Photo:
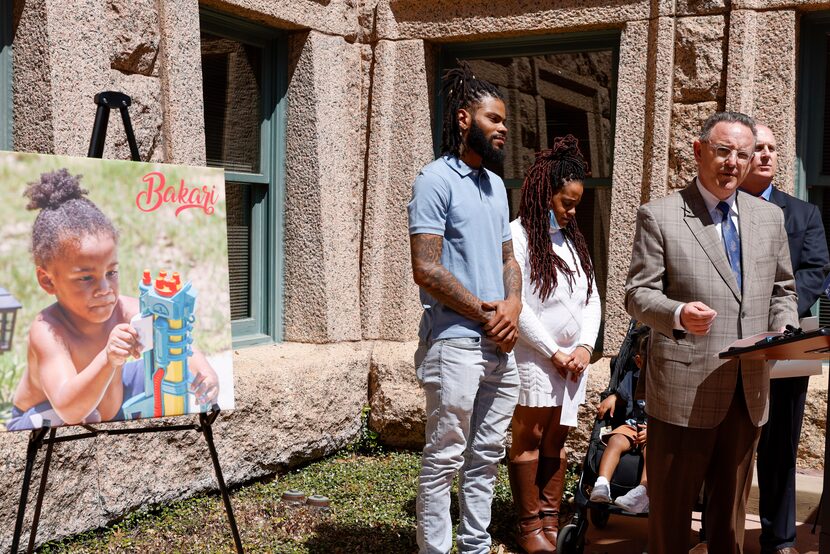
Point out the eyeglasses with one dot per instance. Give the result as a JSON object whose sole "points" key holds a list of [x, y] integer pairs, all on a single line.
{"points": [[723, 153]]}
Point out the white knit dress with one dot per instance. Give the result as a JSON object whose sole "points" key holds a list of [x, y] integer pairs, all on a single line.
{"points": [[562, 322]]}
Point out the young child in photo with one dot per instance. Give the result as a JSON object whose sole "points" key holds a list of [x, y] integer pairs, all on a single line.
{"points": [[79, 346], [627, 437]]}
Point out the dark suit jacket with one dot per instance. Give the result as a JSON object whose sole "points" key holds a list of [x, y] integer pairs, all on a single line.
{"points": [[808, 247]]}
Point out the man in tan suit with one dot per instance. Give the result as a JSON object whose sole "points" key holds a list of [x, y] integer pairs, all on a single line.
{"points": [[710, 265]]}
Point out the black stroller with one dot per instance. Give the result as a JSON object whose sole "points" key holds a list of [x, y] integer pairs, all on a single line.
{"points": [[571, 538]]}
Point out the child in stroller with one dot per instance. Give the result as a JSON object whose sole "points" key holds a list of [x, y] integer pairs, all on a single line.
{"points": [[630, 436]]}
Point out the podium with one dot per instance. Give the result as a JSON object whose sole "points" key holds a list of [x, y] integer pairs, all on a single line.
{"points": [[792, 345], [798, 345]]}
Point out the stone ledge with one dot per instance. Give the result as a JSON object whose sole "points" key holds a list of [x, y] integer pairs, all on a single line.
{"points": [[397, 405], [295, 403]]}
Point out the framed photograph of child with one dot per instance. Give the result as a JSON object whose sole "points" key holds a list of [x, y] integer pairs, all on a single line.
{"points": [[121, 271]]}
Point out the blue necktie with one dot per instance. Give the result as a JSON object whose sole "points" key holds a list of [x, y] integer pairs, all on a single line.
{"points": [[731, 241]]}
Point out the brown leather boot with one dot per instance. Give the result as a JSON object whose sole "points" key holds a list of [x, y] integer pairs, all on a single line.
{"points": [[551, 483], [526, 500]]}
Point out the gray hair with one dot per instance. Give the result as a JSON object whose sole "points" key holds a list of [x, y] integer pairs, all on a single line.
{"points": [[726, 117]]}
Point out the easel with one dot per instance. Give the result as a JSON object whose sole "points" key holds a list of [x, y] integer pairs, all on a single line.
{"points": [[38, 438]]}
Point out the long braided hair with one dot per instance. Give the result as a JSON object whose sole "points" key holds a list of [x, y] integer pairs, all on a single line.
{"points": [[548, 174], [461, 89]]}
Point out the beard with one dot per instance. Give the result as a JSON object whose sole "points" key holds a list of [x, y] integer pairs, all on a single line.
{"points": [[478, 142]]}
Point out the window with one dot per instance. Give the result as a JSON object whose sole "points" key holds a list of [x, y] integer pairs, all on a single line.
{"points": [[243, 83], [813, 145], [554, 86], [6, 75]]}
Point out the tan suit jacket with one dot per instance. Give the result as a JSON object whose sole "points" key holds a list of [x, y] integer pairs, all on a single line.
{"points": [[679, 257]]}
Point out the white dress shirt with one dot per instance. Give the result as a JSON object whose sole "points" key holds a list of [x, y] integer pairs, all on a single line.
{"points": [[711, 201]]}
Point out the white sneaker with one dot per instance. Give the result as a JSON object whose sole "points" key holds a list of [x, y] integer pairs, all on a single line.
{"points": [[635, 501], [601, 493]]}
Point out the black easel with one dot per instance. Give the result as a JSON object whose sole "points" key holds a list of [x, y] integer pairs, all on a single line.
{"points": [[105, 101]]}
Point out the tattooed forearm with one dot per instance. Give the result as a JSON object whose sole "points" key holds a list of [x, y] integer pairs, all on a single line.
{"points": [[436, 279], [511, 274]]}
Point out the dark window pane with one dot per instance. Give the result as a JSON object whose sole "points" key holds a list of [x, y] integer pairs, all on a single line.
{"points": [[825, 155], [239, 205], [231, 84], [549, 96]]}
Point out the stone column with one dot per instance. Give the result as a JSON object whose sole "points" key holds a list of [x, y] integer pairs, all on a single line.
{"points": [[643, 102], [762, 79], [32, 81], [400, 143], [180, 68], [76, 73], [323, 197]]}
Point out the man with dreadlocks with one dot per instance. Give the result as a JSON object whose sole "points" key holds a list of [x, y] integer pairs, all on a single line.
{"points": [[558, 327], [462, 260]]}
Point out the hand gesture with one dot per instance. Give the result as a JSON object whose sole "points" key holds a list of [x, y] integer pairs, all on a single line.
{"points": [[562, 362], [607, 405], [502, 326], [122, 343], [697, 318], [205, 385], [640, 439]]}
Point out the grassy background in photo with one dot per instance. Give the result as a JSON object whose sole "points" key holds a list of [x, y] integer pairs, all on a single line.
{"points": [[193, 244]]}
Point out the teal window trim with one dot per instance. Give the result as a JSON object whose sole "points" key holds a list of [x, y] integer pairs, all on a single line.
{"points": [[267, 225], [530, 46], [6, 76], [810, 104]]}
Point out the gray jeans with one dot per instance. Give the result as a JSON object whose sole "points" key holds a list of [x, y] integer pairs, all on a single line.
{"points": [[471, 390]]}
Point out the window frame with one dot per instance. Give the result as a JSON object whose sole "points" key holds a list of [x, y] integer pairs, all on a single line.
{"points": [[265, 325], [815, 28], [6, 76], [563, 43]]}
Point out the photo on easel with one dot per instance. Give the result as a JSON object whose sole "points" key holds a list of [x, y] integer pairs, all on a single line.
{"points": [[114, 294]]}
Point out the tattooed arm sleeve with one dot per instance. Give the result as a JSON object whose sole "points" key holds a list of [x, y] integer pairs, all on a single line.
{"points": [[510, 273], [436, 279]]}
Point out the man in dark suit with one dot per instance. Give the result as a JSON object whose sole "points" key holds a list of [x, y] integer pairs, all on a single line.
{"points": [[778, 446], [710, 264]]}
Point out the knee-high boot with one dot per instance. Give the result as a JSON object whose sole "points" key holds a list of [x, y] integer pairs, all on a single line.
{"points": [[526, 500], [551, 483]]}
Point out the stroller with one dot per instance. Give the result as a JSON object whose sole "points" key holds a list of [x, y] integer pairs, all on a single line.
{"points": [[571, 538]]}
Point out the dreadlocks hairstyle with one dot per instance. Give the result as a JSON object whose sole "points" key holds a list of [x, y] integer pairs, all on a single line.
{"points": [[461, 89], [66, 215], [548, 174]]}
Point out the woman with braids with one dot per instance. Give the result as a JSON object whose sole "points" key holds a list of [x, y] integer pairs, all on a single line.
{"points": [[470, 286], [558, 327], [79, 347]]}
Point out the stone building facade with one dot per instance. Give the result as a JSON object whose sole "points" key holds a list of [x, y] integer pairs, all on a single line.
{"points": [[355, 119]]}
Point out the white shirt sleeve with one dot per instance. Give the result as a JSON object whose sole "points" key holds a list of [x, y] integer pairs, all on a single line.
{"points": [[531, 330], [677, 325], [591, 319]]}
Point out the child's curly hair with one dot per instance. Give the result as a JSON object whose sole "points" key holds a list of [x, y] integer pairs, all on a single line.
{"points": [[66, 215]]}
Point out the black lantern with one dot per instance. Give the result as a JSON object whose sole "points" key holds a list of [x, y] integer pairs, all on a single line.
{"points": [[8, 316]]}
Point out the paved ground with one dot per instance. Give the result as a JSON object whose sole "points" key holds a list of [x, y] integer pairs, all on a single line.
{"points": [[627, 535]]}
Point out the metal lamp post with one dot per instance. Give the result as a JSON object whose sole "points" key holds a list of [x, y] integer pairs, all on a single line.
{"points": [[8, 317]]}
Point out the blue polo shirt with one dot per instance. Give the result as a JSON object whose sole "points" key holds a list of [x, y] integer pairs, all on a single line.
{"points": [[468, 207]]}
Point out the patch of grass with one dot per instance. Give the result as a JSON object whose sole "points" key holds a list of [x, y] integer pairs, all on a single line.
{"points": [[372, 502]]}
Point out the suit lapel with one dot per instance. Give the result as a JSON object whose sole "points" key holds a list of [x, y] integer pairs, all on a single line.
{"points": [[747, 223], [703, 229]]}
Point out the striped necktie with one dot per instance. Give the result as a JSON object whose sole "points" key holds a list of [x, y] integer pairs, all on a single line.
{"points": [[731, 241]]}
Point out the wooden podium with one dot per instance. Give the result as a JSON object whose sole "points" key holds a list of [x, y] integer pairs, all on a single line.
{"points": [[792, 345]]}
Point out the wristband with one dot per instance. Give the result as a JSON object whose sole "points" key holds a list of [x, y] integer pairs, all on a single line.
{"points": [[588, 348]]}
